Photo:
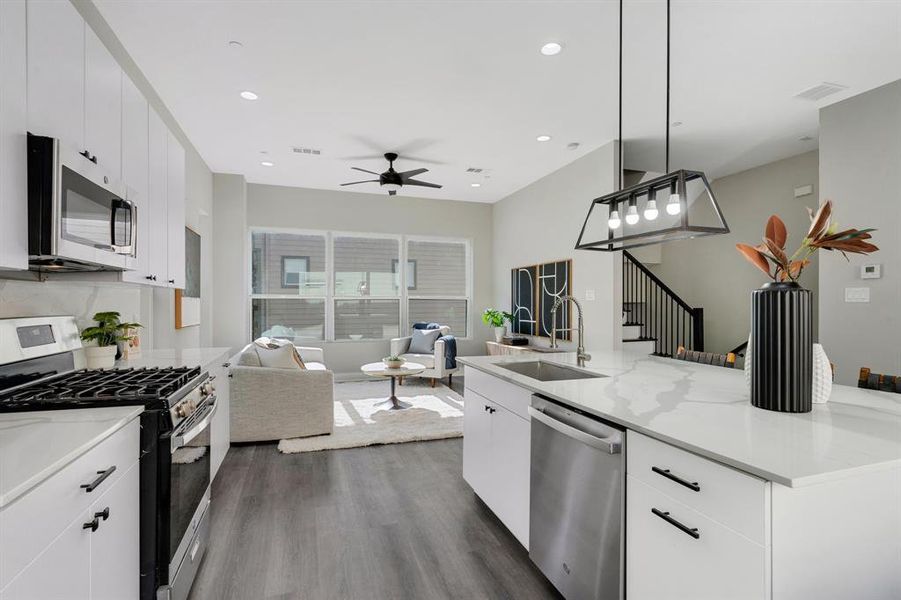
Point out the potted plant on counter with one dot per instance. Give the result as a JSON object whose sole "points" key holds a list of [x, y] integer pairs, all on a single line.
{"points": [[780, 348], [496, 318], [106, 336]]}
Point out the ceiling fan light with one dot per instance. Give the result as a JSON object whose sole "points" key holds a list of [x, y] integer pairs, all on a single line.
{"points": [[650, 210], [393, 186], [632, 215], [614, 221], [674, 206]]}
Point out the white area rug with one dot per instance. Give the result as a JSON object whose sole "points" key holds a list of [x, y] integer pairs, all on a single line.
{"points": [[437, 413]]}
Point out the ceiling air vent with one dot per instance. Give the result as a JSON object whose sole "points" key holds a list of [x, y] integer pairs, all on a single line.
{"points": [[818, 92], [312, 151], [474, 170]]}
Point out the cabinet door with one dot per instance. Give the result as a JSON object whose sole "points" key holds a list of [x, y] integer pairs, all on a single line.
{"points": [[103, 105], [115, 547], [477, 459], [61, 572], [135, 169], [176, 216], [159, 226], [664, 562], [13, 117], [220, 434], [56, 71], [510, 454]]}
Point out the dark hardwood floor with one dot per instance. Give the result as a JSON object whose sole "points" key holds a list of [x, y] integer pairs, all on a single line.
{"points": [[384, 522]]}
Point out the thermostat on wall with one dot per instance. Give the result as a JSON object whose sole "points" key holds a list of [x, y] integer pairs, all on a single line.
{"points": [[870, 271]]}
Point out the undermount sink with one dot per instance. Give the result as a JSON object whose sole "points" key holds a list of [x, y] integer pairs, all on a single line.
{"points": [[545, 371]]}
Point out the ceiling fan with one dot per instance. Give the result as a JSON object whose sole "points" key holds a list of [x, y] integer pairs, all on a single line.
{"points": [[393, 180]]}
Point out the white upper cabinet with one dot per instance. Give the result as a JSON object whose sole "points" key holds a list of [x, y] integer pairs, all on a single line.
{"points": [[176, 212], [102, 105], [159, 222], [135, 170], [56, 73], [13, 117]]}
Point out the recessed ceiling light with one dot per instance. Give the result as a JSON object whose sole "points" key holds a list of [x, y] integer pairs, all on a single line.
{"points": [[677, 123], [551, 48], [235, 44], [543, 138], [475, 185], [248, 95], [805, 138], [572, 146], [266, 163]]}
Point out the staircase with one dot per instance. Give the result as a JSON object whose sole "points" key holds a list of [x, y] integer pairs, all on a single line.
{"points": [[655, 319]]}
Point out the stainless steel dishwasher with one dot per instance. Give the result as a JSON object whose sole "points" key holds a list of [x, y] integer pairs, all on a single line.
{"points": [[576, 521]]}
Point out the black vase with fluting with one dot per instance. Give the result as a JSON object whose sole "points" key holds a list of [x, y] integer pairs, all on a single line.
{"points": [[782, 348]]}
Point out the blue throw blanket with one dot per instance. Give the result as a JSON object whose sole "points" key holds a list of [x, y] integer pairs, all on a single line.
{"points": [[450, 344]]}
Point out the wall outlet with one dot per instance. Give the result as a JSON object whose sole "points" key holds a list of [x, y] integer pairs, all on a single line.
{"points": [[589, 295], [804, 190], [860, 294], [870, 271]]}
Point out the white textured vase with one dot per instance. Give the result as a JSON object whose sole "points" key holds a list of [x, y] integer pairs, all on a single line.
{"points": [[100, 357], [499, 333], [822, 375]]}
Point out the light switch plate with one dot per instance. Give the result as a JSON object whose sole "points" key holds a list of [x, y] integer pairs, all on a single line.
{"points": [[804, 190], [860, 294], [589, 295]]}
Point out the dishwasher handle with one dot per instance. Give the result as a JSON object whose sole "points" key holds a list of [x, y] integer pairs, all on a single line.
{"points": [[612, 444]]}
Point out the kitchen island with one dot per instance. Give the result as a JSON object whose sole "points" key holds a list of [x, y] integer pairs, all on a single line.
{"points": [[788, 505]]}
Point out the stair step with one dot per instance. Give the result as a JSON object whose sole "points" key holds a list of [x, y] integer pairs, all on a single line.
{"points": [[640, 345], [631, 331]]}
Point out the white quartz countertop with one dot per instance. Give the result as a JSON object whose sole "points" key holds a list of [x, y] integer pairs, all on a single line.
{"points": [[36, 445], [707, 410], [189, 357]]}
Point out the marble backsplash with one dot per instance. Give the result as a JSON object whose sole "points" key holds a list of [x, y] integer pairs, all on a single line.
{"points": [[32, 299]]}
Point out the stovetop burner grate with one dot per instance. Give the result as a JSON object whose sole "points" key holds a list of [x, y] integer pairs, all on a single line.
{"points": [[149, 386]]}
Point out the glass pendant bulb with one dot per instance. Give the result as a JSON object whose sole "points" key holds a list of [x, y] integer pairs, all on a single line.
{"points": [[650, 209], [632, 215], [613, 222], [674, 206]]}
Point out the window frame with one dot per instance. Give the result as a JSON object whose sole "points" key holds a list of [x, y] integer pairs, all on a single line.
{"points": [[329, 297]]}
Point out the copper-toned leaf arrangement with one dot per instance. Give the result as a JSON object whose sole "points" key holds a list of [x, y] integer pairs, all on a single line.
{"points": [[771, 257]]}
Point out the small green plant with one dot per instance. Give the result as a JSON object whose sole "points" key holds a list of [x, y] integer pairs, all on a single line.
{"points": [[109, 329], [393, 358], [496, 318]]}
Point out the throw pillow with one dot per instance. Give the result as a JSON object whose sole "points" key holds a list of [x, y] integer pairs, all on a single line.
{"points": [[278, 354], [423, 341]]}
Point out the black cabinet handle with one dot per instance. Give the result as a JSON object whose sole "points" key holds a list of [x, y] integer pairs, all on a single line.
{"points": [[692, 531], [104, 514], [692, 485], [88, 156], [226, 365], [93, 525], [490, 410], [102, 475], [172, 281]]}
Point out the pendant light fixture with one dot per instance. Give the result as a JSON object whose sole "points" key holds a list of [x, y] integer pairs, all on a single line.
{"points": [[691, 208]]}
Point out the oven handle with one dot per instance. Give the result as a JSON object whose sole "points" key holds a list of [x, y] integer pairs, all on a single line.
{"points": [[183, 438]]}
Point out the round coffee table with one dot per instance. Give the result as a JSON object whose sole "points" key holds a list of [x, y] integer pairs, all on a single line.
{"points": [[380, 370]]}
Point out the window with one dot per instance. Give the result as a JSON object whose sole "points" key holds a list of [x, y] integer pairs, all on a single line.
{"points": [[347, 286]]}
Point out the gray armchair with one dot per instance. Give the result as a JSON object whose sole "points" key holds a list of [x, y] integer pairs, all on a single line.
{"points": [[434, 363], [274, 404]]}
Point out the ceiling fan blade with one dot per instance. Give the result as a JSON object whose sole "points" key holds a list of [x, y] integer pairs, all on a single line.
{"points": [[364, 181], [421, 183], [365, 171], [406, 175]]}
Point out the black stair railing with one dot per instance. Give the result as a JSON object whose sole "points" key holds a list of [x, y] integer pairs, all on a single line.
{"points": [[663, 316]]}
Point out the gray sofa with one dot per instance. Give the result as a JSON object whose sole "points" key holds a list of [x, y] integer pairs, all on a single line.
{"points": [[274, 404]]}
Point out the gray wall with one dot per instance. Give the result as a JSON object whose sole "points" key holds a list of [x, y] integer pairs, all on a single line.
{"points": [[230, 311], [860, 170], [709, 273], [541, 222], [300, 208]]}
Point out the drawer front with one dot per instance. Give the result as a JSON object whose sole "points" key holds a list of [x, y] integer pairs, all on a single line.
{"points": [[664, 562], [29, 524], [735, 499], [510, 396]]}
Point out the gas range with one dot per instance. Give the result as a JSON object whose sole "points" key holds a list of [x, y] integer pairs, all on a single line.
{"points": [[41, 369]]}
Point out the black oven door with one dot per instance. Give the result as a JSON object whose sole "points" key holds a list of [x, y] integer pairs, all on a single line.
{"points": [[189, 481]]}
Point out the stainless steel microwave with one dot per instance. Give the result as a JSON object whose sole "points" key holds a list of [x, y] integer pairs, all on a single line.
{"points": [[78, 217]]}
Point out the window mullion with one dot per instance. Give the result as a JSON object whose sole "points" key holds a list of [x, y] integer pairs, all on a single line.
{"points": [[330, 287]]}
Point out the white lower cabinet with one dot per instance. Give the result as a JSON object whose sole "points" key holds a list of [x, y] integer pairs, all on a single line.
{"points": [[664, 561], [60, 543], [220, 431], [496, 460]]}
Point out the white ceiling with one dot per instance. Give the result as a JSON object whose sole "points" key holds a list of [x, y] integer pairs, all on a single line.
{"points": [[458, 84]]}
